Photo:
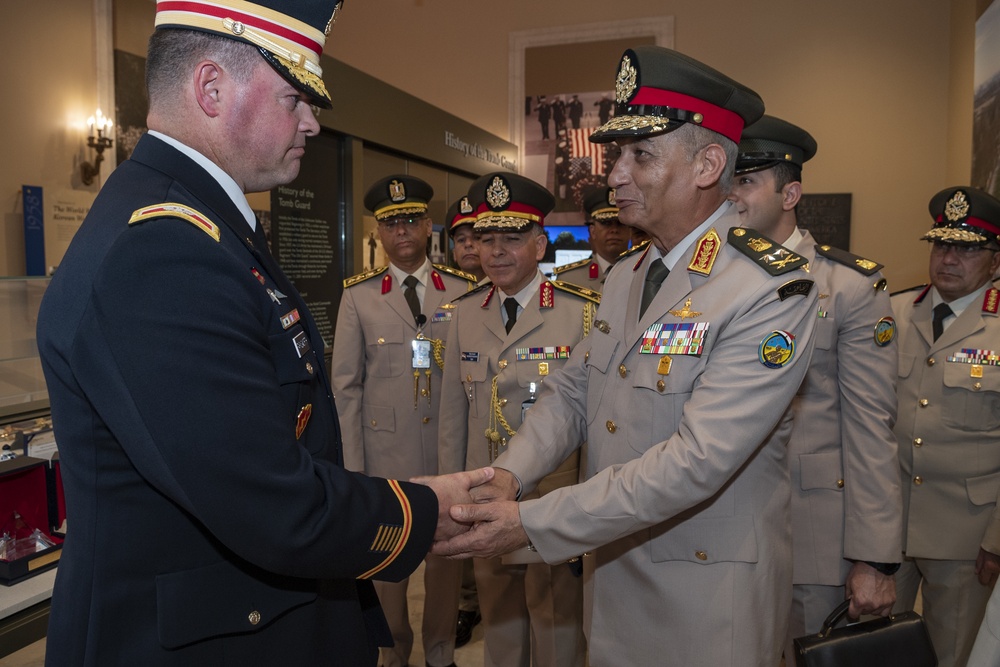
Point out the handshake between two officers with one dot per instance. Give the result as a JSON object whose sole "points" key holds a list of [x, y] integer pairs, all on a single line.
{"points": [[477, 513]]}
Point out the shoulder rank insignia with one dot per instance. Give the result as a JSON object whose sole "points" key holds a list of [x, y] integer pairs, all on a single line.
{"points": [[638, 247], [576, 290], [181, 211], [705, 252], [475, 290], [361, 277], [571, 266], [865, 266], [456, 272], [769, 255]]}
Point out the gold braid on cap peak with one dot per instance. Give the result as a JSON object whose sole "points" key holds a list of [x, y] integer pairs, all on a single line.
{"points": [[625, 122], [292, 59], [506, 220], [953, 235]]}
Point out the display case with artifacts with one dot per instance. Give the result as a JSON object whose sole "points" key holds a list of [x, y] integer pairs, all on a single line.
{"points": [[28, 545]]}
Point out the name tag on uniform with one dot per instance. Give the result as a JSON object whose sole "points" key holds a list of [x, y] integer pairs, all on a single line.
{"points": [[470, 356], [302, 345], [675, 338]]}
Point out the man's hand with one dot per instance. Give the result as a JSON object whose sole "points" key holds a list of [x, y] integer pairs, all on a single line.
{"points": [[496, 530], [870, 591], [452, 490], [987, 567], [503, 487]]}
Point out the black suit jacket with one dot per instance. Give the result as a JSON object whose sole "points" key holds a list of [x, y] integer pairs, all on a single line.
{"points": [[204, 527]]}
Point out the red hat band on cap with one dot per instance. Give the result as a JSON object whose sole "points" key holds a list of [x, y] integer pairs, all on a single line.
{"points": [[516, 212], [974, 222], [727, 123]]}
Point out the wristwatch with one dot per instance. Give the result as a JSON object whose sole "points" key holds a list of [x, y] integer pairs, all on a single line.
{"points": [[887, 569]]}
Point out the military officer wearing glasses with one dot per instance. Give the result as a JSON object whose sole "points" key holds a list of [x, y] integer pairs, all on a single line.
{"points": [[506, 339], [846, 504], [948, 426], [681, 392], [609, 238], [387, 361]]}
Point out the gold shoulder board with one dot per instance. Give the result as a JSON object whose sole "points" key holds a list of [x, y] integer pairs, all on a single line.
{"points": [[576, 290], [769, 255], [860, 264], [573, 265], [638, 247], [455, 272], [181, 211], [361, 277], [475, 290]]}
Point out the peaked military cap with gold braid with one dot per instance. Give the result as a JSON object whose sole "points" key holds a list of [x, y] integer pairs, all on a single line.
{"points": [[398, 195], [964, 216], [290, 34], [460, 213], [657, 90], [771, 140], [507, 202], [600, 205]]}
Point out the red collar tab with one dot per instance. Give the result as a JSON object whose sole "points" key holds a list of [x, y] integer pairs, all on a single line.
{"points": [[638, 262], [489, 295], [595, 270], [920, 297], [386, 283], [991, 302], [725, 122], [546, 295], [438, 282]]}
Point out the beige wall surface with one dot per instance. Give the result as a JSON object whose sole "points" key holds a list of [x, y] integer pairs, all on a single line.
{"points": [[885, 87]]}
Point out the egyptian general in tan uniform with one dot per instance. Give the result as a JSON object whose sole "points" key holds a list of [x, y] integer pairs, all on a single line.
{"points": [[506, 338], [949, 423], [387, 363], [846, 504]]}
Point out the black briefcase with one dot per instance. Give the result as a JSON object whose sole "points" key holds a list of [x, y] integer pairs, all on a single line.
{"points": [[901, 640]]}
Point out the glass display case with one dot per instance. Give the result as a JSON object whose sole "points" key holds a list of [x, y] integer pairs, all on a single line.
{"points": [[22, 386]]}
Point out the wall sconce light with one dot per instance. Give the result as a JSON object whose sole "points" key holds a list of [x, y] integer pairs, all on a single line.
{"points": [[98, 125]]}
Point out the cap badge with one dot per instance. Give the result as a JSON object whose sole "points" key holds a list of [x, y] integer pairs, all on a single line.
{"points": [[464, 207], [611, 197], [498, 194], [625, 83], [397, 191], [957, 207]]}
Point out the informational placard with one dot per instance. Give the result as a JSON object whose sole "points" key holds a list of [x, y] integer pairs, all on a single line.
{"points": [[306, 228], [828, 218], [34, 230], [64, 213]]}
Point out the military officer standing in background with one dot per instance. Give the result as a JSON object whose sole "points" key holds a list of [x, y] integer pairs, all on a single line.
{"points": [[608, 237], [949, 423], [387, 363], [681, 392], [506, 338], [846, 504], [460, 219]]}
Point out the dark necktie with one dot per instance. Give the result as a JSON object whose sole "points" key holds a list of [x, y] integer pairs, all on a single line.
{"points": [[510, 305], [410, 294], [941, 311], [654, 278]]}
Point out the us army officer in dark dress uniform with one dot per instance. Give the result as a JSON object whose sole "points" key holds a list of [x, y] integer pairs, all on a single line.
{"points": [[212, 520]]}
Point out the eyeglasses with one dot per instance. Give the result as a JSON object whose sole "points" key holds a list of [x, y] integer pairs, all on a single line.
{"points": [[942, 248], [408, 223]]}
